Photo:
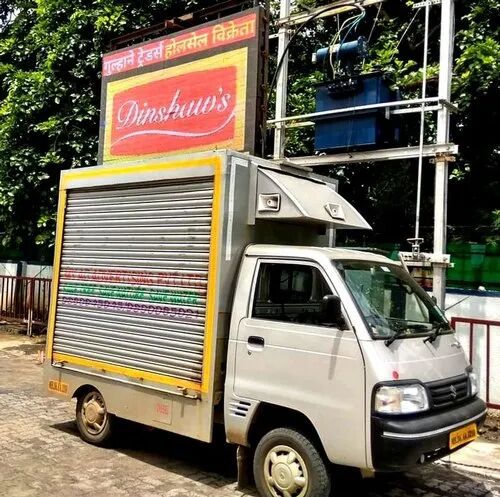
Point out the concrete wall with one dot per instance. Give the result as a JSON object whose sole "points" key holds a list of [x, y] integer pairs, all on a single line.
{"points": [[8, 268], [38, 271], [479, 305]]}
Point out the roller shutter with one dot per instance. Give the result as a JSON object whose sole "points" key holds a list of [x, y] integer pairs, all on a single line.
{"points": [[133, 277]]}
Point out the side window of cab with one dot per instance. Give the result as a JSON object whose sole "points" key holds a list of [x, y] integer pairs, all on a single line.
{"points": [[290, 292]]}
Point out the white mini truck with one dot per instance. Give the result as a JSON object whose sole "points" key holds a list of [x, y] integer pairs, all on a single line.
{"points": [[197, 290]]}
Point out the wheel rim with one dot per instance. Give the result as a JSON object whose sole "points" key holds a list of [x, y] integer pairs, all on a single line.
{"points": [[94, 413], [285, 472]]}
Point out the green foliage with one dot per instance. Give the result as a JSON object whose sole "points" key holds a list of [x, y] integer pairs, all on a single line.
{"points": [[50, 52], [388, 191], [476, 89], [494, 238], [301, 101]]}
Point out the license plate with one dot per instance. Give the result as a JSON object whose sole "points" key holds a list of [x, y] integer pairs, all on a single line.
{"points": [[463, 436], [58, 386]]}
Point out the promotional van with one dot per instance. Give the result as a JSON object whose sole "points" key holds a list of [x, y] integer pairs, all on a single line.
{"points": [[201, 290]]}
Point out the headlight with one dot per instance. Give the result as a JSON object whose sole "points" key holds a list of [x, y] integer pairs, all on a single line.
{"points": [[474, 385], [401, 399]]}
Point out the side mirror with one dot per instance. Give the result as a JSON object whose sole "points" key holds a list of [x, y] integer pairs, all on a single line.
{"points": [[434, 299], [331, 311]]}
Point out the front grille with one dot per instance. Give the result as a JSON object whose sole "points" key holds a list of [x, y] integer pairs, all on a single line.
{"points": [[444, 393]]}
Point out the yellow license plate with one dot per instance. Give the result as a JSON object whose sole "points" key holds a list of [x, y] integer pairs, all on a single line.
{"points": [[463, 436], [58, 386]]}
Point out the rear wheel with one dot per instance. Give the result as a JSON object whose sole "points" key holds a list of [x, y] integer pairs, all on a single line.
{"points": [[93, 420], [287, 464]]}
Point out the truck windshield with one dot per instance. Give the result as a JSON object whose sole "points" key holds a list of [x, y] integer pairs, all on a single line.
{"points": [[390, 300]]}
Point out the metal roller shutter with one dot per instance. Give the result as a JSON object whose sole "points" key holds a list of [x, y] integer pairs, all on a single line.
{"points": [[133, 277]]}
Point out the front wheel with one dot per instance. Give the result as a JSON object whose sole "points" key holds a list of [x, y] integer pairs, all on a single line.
{"points": [[287, 464], [92, 418]]}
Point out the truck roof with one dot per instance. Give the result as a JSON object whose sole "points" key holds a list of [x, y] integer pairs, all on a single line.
{"points": [[312, 252]]}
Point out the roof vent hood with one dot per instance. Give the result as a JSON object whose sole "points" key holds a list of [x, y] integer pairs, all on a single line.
{"points": [[286, 197]]}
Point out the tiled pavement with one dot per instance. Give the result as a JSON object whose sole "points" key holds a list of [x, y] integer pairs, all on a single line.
{"points": [[41, 456]]}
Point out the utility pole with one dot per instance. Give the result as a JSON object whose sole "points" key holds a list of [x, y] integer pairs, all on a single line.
{"points": [[442, 150], [281, 82], [442, 136]]}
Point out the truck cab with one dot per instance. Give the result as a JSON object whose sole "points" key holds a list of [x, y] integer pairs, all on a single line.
{"points": [[342, 353]]}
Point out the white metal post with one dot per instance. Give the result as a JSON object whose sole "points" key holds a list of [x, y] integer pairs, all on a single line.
{"points": [[442, 136], [281, 82], [422, 130]]}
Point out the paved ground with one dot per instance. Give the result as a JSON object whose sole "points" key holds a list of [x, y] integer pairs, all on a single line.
{"points": [[41, 454]]}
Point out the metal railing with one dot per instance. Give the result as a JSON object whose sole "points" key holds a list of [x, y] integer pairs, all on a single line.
{"points": [[479, 351], [25, 300]]}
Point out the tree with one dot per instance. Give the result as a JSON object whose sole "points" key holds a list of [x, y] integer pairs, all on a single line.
{"points": [[50, 52], [387, 191], [476, 89]]}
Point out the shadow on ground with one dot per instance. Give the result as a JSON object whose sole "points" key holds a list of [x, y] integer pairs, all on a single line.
{"points": [[174, 453], [190, 458]]}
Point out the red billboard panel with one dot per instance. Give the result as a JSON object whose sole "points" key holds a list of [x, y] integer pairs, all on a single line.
{"points": [[195, 90]]}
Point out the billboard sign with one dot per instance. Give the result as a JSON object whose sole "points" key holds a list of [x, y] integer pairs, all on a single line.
{"points": [[199, 89]]}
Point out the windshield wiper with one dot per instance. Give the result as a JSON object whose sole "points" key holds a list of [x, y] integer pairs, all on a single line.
{"points": [[436, 331], [401, 329], [397, 333]]}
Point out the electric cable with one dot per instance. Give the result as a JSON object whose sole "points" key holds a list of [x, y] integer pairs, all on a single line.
{"points": [[354, 25], [404, 34], [336, 37], [372, 30], [297, 31], [374, 22], [354, 19], [287, 47]]}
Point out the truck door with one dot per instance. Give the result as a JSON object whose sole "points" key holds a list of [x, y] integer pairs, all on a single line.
{"points": [[286, 356]]}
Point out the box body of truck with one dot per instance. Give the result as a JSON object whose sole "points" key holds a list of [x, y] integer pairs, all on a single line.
{"points": [[146, 260]]}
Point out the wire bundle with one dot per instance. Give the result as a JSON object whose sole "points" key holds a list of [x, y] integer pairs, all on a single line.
{"points": [[349, 24]]}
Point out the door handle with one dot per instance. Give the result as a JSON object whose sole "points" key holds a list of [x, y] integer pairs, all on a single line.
{"points": [[254, 340]]}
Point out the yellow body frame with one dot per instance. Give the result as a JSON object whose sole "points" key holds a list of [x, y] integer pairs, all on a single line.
{"points": [[120, 173]]}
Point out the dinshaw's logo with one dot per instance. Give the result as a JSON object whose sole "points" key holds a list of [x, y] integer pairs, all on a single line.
{"points": [[185, 111]]}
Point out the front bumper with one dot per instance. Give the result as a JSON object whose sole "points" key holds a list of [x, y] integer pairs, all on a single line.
{"points": [[399, 443]]}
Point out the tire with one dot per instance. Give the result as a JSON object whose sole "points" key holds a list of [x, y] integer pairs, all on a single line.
{"points": [[95, 424], [287, 464]]}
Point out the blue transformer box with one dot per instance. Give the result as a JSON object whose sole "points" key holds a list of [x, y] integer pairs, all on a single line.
{"points": [[355, 131]]}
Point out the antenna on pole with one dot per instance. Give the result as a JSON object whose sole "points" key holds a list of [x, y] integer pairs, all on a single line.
{"points": [[417, 240]]}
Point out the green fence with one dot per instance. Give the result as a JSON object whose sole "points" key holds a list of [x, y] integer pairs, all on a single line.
{"points": [[475, 264]]}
